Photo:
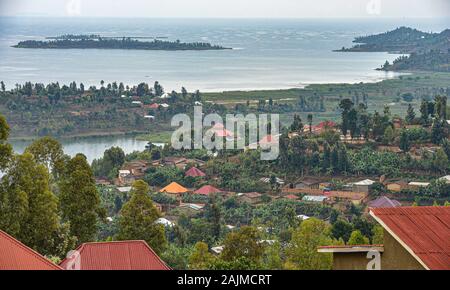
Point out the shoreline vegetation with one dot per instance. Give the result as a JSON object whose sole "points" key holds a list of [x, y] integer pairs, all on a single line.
{"points": [[100, 42], [73, 111], [423, 51]]}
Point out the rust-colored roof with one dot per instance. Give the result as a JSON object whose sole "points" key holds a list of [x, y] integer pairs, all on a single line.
{"points": [[291, 196], [423, 231], [121, 255], [195, 172], [207, 190], [16, 256], [174, 188]]}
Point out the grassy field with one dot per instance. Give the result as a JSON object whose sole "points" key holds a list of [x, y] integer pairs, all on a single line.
{"points": [[380, 94], [157, 137]]}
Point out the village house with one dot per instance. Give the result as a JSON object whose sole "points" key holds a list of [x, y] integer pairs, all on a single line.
{"points": [[363, 185], [396, 185], [415, 238], [417, 185], [208, 190], [250, 197], [307, 183], [125, 177], [446, 179], [315, 198], [174, 190], [195, 172], [384, 202], [120, 255], [356, 198], [137, 167]]}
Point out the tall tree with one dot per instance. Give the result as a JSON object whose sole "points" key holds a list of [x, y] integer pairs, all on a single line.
{"points": [[310, 122], [302, 254], [357, 238], [201, 258], [49, 152], [28, 209], [5, 149], [138, 217], [243, 244], [410, 115], [80, 201]]}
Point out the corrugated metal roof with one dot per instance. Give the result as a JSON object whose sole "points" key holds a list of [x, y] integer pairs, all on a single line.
{"points": [[423, 230], [207, 190], [122, 255], [16, 256]]}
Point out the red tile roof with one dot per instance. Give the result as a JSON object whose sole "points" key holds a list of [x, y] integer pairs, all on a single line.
{"points": [[207, 190], [291, 196], [195, 172], [122, 255], [423, 231], [16, 256]]}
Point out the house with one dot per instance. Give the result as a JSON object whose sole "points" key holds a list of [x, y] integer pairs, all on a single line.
{"points": [[193, 206], [165, 222], [319, 128], [315, 198], [164, 105], [415, 238], [278, 181], [125, 177], [153, 106], [446, 179], [136, 103], [307, 183], [195, 172], [217, 250], [124, 189], [417, 185], [291, 197], [363, 185], [121, 255], [180, 162], [303, 217], [136, 168], [208, 190], [174, 188], [251, 197], [356, 198], [16, 256], [149, 117], [397, 185], [384, 202]]}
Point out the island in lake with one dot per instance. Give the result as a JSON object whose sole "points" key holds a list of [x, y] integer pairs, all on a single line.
{"points": [[427, 51], [99, 42]]}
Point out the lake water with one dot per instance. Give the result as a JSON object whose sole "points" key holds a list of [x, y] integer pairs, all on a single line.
{"points": [[267, 54], [92, 147]]}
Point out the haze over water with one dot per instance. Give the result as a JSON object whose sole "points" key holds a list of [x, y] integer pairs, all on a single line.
{"points": [[267, 53]]}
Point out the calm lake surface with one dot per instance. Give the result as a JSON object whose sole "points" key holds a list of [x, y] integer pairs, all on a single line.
{"points": [[92, 147], [267, 54]]}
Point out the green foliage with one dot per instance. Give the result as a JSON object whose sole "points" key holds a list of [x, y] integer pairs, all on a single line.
{"points": [[201, 258], [79, 199], [28, 208], [356, 238], [302, 254], [109, 165], [137, 219], [341, 230], [377, 235], [49, 152], [243, 243], [176, 257]]}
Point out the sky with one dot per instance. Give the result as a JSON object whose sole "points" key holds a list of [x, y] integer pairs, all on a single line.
{"points": [[228, 8]]}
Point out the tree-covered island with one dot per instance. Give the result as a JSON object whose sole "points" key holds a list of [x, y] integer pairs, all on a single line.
{"points": [[99, 42]]}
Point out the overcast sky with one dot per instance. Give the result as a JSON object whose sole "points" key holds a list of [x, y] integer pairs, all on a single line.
{"points": [[228, 8]]}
